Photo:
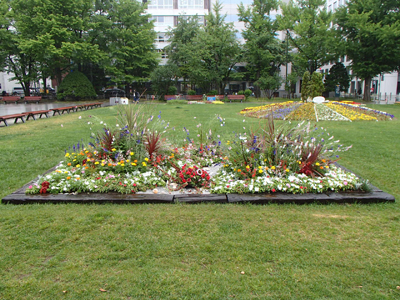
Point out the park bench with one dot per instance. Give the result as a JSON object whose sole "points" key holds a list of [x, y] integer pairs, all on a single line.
{"points": [[235, 97], [14, 116], [14, 99], [30, 99], [92, 105], [61, 110], [37, 112], [194, 97]]}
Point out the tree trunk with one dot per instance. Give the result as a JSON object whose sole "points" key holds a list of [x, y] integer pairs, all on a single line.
{"points": [[367, 87]]}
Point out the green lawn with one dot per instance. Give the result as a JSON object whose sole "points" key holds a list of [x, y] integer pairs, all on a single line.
{"points": [[197, 251]]}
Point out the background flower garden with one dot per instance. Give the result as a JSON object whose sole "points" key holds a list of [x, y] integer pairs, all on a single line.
{"points": [[330, 111], [136, 155]]}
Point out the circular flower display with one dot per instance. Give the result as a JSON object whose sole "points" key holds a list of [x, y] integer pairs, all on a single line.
{"points": [[330, 111]]}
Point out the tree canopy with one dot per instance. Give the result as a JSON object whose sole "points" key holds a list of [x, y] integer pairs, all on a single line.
{"points": [[370, 31], [264, 52], [307, 23]]}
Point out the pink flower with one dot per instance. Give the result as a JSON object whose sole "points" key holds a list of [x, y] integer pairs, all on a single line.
{"points": [[30, 186]]}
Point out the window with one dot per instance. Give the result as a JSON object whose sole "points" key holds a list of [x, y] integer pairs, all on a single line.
{"points": [[163, 4], [191, 4], [334, 5], [161, 37], [162, 53], [163, 20], [199, 18]]}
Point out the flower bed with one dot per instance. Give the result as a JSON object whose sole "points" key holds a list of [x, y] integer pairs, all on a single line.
{"points": [[331, 111], [137, 158]]}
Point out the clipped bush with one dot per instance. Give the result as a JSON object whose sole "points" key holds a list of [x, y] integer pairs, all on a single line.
{"points": [[191, 92], [76, 86], [247, 93], [241, 92], [176, 102], [212, 93], [172, 90]]}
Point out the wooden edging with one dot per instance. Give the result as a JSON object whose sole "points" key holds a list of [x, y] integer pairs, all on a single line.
{"points": [[375, 196]]}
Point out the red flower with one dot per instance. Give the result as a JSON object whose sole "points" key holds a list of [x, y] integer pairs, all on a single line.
{"points": [[134, 184], [273, 190]]}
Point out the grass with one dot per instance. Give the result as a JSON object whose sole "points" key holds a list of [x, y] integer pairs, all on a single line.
{"points": [[200, 251]]}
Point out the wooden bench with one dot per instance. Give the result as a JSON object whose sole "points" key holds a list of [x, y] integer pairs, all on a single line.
{"points": [[14, 116], [236, 97], [61, 110], [92, 105], [32, 99], [14, 99], [194, 97], [38, 112]]}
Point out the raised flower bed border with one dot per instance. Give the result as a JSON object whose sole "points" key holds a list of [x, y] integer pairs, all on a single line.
{"points": [[375, 196]]}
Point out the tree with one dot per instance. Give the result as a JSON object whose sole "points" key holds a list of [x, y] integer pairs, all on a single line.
{"points": [[337, 76], [60, 33], [162, 78], [182, 48], [219, 49], [307, 22], [270, 84], [130, 43], [371, 35], [306, 87], [264, 53], [317, 86]]}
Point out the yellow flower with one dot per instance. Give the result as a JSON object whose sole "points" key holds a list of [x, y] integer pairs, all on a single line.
{"points": [[102, 164], [144, 164], [133, 164], [273, 167], [259, 167], [317, 164], [67, 154], [113, 149], [96, 163], [260, 171], [127, 160], [287, 170], [66, 172], [146, 159], [247, 167], [122, 165], [78, 165], [132, 153]]}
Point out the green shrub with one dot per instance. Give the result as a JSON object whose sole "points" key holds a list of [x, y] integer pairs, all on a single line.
{"points": [[172, 90], [177, 102], [241, 92], [191, 92], [247, 93], [76, 86], [212, 93]]}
